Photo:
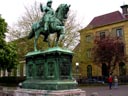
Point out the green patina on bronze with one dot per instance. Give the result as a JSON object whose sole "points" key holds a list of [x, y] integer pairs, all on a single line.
{"points": [[51, 22], [50, 69]]}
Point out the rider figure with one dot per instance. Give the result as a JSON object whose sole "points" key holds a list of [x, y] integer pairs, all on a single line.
{"points": [[49, 13]]}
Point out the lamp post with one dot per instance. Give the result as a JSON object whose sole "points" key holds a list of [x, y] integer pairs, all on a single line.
{"points": [[77, 67], [77, 70]]}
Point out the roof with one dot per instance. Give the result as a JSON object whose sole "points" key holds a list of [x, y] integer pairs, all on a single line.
{"points": [[106, 19], [77, 47]]}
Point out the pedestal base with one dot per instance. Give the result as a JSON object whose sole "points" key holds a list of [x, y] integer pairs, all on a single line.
{"points": [[49, 84], [31, 92], [50, 69]]}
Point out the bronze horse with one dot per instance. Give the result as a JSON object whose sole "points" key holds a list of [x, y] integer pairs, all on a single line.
{"points": [[56, 25]]}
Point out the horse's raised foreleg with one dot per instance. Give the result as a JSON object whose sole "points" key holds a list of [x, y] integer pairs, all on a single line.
{"points": [[60, 33]]}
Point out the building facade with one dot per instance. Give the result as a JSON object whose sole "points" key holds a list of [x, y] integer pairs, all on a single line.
{"points": [[115, 24]]}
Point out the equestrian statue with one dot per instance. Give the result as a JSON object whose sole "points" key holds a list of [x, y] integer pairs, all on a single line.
{"points": [[51, 22]]}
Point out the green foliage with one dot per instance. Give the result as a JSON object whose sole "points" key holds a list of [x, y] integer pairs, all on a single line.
{"points": [[8, 54], [3, 27], [11, 58], [24, 46]]}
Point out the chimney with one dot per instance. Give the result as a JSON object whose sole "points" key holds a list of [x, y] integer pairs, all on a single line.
{"points": [[125, 10]]}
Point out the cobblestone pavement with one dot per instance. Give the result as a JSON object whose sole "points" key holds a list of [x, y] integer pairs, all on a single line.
{"points": [[104, 91]]}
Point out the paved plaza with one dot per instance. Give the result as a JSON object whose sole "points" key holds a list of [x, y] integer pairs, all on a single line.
{"points": [[104, 90]]}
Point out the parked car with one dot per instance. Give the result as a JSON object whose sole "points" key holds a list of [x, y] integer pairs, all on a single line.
{"points": [[93, 81]]}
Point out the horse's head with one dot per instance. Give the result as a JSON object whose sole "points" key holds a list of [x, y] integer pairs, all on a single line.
{"points": [[61, 12]]}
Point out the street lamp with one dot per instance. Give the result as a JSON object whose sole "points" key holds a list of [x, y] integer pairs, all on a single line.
{"points": [[77, 67], [77, 70]]}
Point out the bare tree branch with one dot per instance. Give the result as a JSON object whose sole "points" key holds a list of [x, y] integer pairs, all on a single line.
{"points": [[33, 14]]}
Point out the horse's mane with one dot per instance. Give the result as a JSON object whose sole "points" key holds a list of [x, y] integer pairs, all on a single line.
{"points": [[60, 7]]}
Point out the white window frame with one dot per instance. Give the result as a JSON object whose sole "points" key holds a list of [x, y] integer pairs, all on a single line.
{"points": [[119, 32]]}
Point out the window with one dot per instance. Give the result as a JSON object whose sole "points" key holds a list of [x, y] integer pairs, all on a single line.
{"points": [[89, 53], [88, 38], [89, 71], [119, 32], [102, 35]]}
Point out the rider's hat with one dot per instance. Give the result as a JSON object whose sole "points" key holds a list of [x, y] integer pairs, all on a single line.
{"points": [[49, 1]]}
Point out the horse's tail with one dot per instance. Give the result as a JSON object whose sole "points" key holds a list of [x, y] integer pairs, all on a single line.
{"points": [[31, 34]]}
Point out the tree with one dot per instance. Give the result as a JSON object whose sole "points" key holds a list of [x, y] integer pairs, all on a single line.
{"points": [[10, 57], [108, 51], [8, 54], [33, 14]]}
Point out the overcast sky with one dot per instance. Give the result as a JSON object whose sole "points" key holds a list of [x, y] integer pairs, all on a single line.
{"points": [[85, 10]]}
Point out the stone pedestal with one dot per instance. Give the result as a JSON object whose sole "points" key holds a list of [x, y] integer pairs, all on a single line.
{"points": [[49, 70], [30, 92], [35, 92], [49, 73]]}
